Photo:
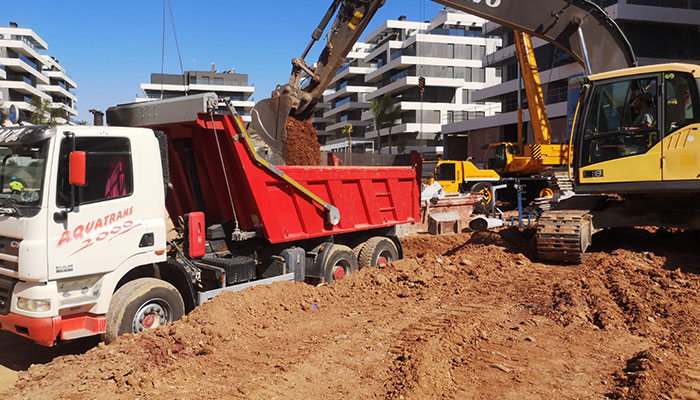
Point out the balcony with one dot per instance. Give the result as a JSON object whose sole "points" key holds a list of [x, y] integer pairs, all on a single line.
{"points": [[24, 88], [70, 110], [345, 108], [60, 75], [20, 66], [21, 48], [57, 89], [348, 90]]}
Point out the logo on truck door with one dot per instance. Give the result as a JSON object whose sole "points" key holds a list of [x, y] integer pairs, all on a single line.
{"points": [[111, 226]]}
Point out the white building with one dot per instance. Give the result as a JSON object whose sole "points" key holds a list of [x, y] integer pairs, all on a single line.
{"points": [[60, 86], [659, 31], [227, 84], [26, 74], [448, 51]]}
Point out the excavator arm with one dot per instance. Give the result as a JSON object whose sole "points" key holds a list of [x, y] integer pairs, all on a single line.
{"points": [[578, 27]]}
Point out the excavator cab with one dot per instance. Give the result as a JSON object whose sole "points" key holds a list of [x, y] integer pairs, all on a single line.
{"points": [[637, 133]]}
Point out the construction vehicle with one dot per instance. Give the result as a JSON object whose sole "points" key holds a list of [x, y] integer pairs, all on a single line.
{"points": [[83, 247], [628, 172], [577, 27], [532, 169]]}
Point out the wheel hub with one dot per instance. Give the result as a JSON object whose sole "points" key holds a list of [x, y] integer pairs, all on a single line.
{"points": [[338, 273], [151, 315]]}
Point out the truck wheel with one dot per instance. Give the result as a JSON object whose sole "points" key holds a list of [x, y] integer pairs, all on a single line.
{"points": [[486, 204], [340, 262], [358, 249], [378, 251], [142, 304]]}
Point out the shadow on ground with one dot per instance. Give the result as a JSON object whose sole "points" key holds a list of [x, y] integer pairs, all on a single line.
{"points": [[18, 353]]}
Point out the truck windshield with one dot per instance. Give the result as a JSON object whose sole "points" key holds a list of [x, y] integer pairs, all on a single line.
{"points": [[22, 173]]}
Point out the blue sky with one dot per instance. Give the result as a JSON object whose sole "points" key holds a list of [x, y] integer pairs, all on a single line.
{"points": [[110, 47]]}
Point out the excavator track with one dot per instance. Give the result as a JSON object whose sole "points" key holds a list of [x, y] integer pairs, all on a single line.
{"points": [[561, 182], [564, 234]]}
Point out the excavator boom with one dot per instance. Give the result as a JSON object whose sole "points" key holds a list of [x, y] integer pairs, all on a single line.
{"points": [[579, 27]]}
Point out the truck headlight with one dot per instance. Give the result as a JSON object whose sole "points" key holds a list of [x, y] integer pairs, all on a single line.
{"points": [[34, 305]]}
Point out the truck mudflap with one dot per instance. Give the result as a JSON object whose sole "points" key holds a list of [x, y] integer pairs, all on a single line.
{"points": [[45, 331]]}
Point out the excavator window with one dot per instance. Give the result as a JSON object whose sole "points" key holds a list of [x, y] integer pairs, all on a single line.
{"points": [[621, 121], [681, 101]]}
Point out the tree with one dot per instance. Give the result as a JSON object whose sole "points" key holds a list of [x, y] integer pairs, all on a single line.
{"points": [[44, 114], [348, 129], [385, 116]]}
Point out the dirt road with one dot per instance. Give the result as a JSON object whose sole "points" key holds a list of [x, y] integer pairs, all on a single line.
{"points": [[463, 317]]}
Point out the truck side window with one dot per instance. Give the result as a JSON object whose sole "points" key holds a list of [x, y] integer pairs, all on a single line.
{"points": [[681, 101], [446, 172], [109, 170]]}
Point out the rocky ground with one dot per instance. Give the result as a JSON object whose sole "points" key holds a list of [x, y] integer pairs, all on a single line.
{"points": [[461, 317]]}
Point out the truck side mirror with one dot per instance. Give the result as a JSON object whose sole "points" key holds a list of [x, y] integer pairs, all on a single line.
{"points": [[77, 168]]}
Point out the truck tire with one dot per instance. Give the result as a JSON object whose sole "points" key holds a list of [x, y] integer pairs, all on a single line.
{"points": [[341, 261], [378, 250], [141, 304], [486, 204]]}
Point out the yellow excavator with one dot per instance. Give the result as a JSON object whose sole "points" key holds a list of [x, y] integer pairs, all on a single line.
{"points": [[634, 158]]}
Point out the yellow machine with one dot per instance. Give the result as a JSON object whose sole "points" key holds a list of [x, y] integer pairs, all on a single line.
{"points": [[506, 160], [637, 158]]}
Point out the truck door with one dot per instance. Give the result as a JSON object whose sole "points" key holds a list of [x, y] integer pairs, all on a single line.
{"points": [[621, 132], [104, 229], [446, 174], [681, 144]]}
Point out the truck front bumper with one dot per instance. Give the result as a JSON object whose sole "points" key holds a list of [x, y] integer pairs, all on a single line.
{"points": [[46, 331]]}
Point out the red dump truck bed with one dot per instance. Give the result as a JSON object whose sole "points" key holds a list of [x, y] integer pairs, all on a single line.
{"points": [[211, 155]]}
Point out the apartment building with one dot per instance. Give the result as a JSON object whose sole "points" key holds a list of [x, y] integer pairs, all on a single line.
{"points": [[226, 84], [26, 73], [658, 30], [60, 87], [346, 100], [447, 51]]}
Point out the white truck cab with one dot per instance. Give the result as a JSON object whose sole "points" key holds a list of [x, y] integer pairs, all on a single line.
{"points": [[65, 247]]}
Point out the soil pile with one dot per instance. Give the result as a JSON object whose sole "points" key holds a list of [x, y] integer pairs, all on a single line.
{"points": [[302, 143], [462, 317]]}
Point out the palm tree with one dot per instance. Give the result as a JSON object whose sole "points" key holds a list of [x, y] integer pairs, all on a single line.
{"points": [[348, 129], [385, 116]]}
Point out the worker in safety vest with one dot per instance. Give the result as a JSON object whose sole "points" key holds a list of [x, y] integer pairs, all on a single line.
{"points": [[15, 185]]}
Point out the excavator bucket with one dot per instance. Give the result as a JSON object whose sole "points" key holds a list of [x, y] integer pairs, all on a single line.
{"points": [[270, 122]]}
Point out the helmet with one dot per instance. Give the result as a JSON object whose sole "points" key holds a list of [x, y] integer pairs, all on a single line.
{"points": [[14, 178]]}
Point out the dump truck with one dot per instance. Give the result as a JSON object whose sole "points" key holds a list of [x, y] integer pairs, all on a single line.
{"points": [[84, 246]]}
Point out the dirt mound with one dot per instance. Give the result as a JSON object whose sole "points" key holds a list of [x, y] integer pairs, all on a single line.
{"points": [[462, 317], [302, 143]]}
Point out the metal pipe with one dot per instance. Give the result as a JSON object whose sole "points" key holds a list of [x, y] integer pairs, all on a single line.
{"points": [[481, 223], [321, 27], [584, 48]]}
